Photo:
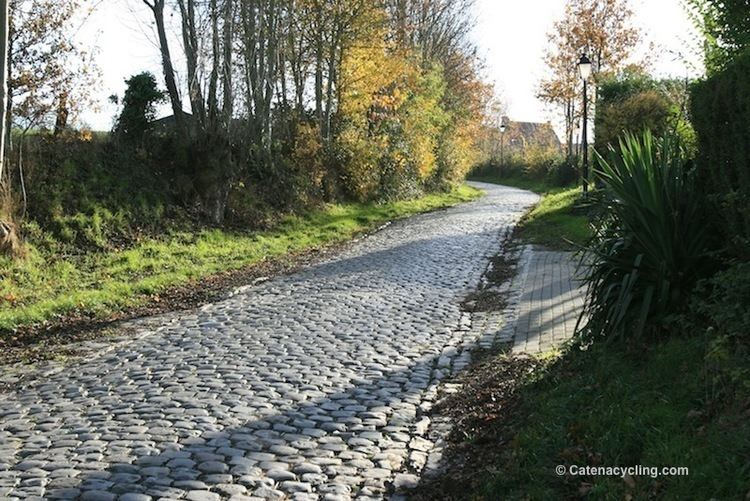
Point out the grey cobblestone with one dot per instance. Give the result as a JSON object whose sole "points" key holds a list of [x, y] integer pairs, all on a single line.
{"points": [[307, 386]]}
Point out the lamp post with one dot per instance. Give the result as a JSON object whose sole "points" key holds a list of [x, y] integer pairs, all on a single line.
{"points": [[584, 68], [502, 146]]}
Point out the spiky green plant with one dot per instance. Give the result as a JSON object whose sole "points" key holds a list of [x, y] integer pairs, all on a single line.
{"points": [[650, 246]]}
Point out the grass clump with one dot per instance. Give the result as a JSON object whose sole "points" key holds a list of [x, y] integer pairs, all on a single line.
{"points": [[48, 284], [559, 221]]}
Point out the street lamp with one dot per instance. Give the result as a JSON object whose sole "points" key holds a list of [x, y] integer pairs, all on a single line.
{"points": [[584, 68], [502, 146]]}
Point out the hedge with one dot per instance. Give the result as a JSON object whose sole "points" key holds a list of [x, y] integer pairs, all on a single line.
{"points": [[721, 117]]}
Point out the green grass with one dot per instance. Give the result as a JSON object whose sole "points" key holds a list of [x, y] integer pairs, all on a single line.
{"points": [[522, 182], [559, 221], [46, 285], [609, 406]]}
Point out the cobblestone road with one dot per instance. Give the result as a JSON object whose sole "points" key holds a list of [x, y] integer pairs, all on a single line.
{"points": [[309, 386]]}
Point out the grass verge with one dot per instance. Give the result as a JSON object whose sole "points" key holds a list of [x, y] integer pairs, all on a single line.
{"points": [[46, 286], [558, 221], [668, 404], [522, 182], [660, 406]]}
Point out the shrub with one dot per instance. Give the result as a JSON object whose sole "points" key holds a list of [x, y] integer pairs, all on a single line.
{"points": [[540, 162], [649, 247], [634, 102], [355, 157], [721, 115], [138, 107], [724, 300], [563, 173]]}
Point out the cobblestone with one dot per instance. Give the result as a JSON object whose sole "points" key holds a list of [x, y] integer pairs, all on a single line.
{"points": [[307, 386]]}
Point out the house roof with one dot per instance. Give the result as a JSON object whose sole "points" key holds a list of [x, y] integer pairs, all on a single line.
{"points": [[524, 134]]}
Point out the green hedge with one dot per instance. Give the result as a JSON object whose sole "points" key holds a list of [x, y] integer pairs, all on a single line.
{"points": [[721, 117]]}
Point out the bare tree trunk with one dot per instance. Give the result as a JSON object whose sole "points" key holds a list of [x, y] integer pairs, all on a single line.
{"points": [[9, 242], [157, 7], [61, 120], [249, 14], [271, 63], [299, 77], [190, 41], [228, 40], [9, 145], [569, 127], [329, 87], [213, 104], [319, 67], [401, 22]]}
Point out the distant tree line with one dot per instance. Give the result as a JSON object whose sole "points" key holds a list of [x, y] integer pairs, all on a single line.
{"points": [[322, 98], [276, 106]]}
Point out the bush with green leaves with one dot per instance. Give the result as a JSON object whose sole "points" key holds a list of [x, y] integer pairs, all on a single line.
{"points": [[564, 172], [540, 161], [724, 300], [633, 101], [721, 114], [649, 247], [725, 26], [138, 107]]}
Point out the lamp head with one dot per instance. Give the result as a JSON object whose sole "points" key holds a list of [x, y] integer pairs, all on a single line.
{"points": [[584, 67]]}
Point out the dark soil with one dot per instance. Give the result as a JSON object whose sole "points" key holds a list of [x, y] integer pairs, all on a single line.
{"points": [[485, 300], [501, 269], [483, 412]]}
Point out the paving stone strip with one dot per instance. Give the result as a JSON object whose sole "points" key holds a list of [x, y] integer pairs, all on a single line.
{"points": [[551, 302], [308, 386]]}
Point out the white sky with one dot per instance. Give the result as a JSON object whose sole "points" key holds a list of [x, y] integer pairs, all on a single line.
{"points": [[511, 35]]}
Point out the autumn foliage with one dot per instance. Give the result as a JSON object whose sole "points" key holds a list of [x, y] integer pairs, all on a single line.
{"points": [[277, 106]]}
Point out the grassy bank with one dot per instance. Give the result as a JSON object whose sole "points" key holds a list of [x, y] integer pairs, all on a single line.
{"points": [[680, 402], [611, 406], [522, 182], [560, 219], [45, 285]]}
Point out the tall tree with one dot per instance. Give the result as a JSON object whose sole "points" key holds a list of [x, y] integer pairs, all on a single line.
{"points": [[601, 29], [4, 29], [8, 239], [157, 9], [725, 25], [49, 75], [205, 24]]}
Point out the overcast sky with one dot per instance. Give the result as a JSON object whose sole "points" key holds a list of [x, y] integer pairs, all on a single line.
{"points": [[511, 35]]}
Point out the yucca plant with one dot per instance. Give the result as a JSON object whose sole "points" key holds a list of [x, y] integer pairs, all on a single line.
{"points": [[650, 245]]}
